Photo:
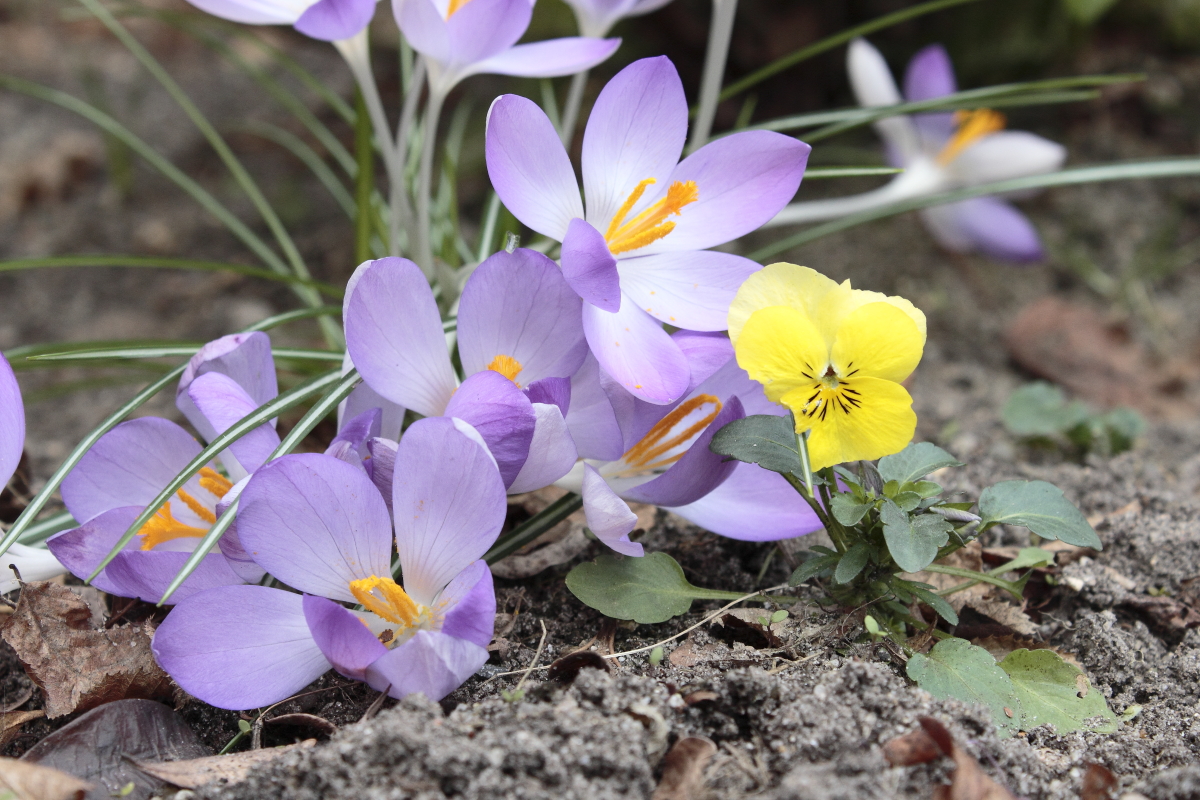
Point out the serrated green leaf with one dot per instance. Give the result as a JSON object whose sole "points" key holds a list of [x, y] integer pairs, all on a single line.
{"points": [[915, 462], [937, 603], [646, 590], [762, 439], [913, 543], [1039, 506], [847, 511], [957, 669], [810, 568], [1049, 690], [852, 563]]}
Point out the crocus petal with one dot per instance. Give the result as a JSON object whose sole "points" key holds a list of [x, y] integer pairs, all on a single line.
{"points": [[1004, 155], [383, 467], [730, 380], [394, 334], [470, 605], [501, 414], [364, 398], [223, 402], [424, 27], [987, 224], [548, 59], [754, 505], [519, 305], [697, 473], [482, 28], [636, 131], [632, 347], [331, 20], [529, 168], [706, 353], [432, 663], [589, 267], [607, 515], [348, 645], [357, 431], [690, 290], [553, 391], [449, 504], [129, 466], [874, 86], [742, 181], [12, 423], [315, 523], [239, 647], [81, 549], [591, 418], [34, 564], [244, 357], [239, 560], [552, 452], [930, 75], [260, 12], [146, 574]]}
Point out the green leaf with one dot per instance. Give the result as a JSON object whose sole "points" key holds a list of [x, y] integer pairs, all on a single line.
{"points": [[1039, 506], [847, 511], [852, 563], [925, 489], [810, 568], [936, 602], [762, 439], [908, 501], [1027, 557], [915, 462], [1086, 12], [913, 543], [646, 590], [1041, 409], [1123, 426], [957, 669], [1049, 690]]}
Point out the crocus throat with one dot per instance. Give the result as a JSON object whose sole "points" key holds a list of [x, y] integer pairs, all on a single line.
{"points": [[972, 126], [163, 527], [667, 441], [650, 225], [387, 599], [507, 366]]}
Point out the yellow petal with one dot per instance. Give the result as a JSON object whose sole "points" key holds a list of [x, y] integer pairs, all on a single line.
{"points": [[861, 297], [782, 284], [781, 348], [882, 424], [877, 340]]}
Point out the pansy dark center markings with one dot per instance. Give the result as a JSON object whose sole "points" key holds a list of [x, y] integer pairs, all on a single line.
{"points": [[972, 126], [832, 392], [668, 440], [507, 366], [163, 527], [652, 224]]}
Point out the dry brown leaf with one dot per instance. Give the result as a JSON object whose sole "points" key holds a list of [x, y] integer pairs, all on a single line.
{"points": [[1004, 613], [689, 654], [917, 747], [76, 661], [31, 782], [683, 769], [567, 668], [968, 781], [11, 722], [198, 771], [1098, 783], [299, 720]]}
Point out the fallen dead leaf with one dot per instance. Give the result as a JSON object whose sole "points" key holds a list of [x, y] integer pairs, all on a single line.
{"points": [[310, 721], [752, 626], [79, 664], [1165, 614], [689, 654], [968, 781], [917, 747], [198, 771], [1098, 783], [702, 696], [567, 668], [1004, 613], [11, 722], [683, 769], [31, 782]]}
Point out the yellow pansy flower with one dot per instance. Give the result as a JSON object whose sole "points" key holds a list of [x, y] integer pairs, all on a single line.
{"points": [[833, 355]]}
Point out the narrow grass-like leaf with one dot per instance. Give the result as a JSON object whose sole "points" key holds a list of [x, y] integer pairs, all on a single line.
{"points": [[309, 157], [534, 527], [818, 173], [186, 351], [41, 531], [364, 179], [295, 316]]}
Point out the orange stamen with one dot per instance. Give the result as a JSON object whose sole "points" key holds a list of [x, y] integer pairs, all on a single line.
{"points": [[972, 125], [650, 225], [455, 5], [163, 527], [214, 482], [507, 366], [392, 602], [659, 441], [197, 507]]}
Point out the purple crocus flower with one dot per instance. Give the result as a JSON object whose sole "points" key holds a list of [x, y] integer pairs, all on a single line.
{"points": [[327, 20], [226, 380], [596, 17], [519, 341], [248, 646], [643, 452], [460, 38], [638, 256]]}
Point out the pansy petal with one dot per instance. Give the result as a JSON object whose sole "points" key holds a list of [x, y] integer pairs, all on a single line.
{"points": [[347, 644], [874, 86], [262, 12], [501, 414], [697, 473], [691, 290], [548, 59], [12, 423], [781, 348], [223, 403], [519, 305], [882, 424], [239, 647], [469, 602], [589, 267], [742, 181], [931, 75], [552, 452], [394, 334], [129, 466], [1004, 155], [244, 357], [146, 574], [315, 523], [81, 549], [332, 20], [482, 28], [632, 347], [608, 516], [529, 168], [449, 504], [431, 663], [781, 284], [636, 131], [591, 418], [33, 563], [880, 341], [753, 505], [552, 391], [986, 224], [424, 28]]}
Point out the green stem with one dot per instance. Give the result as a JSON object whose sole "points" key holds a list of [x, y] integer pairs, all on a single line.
{"points": [[433, 111], [534, 527], [570, 114], [364, 180], [1010, 587], [719, 33]]}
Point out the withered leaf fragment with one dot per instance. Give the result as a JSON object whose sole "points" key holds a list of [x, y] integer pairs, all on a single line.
{"points": [[233, 767], [78, 663], [11, 722], [567, 668], [683, 769], [917, 747], [969, 781], [31, 782], [1098, 783]]}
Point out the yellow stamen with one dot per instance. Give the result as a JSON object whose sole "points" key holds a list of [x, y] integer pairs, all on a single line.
{"points": [[163, 527], [650, 225], [455, 5], [197, 507], [657, 441], [214, 482], [972, 125], [507, 366], [392, 602]]}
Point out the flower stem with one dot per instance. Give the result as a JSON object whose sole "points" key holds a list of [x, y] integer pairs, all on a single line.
{"points": [[408, 114], [433, 110], [570, 113], [719, 33]]}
